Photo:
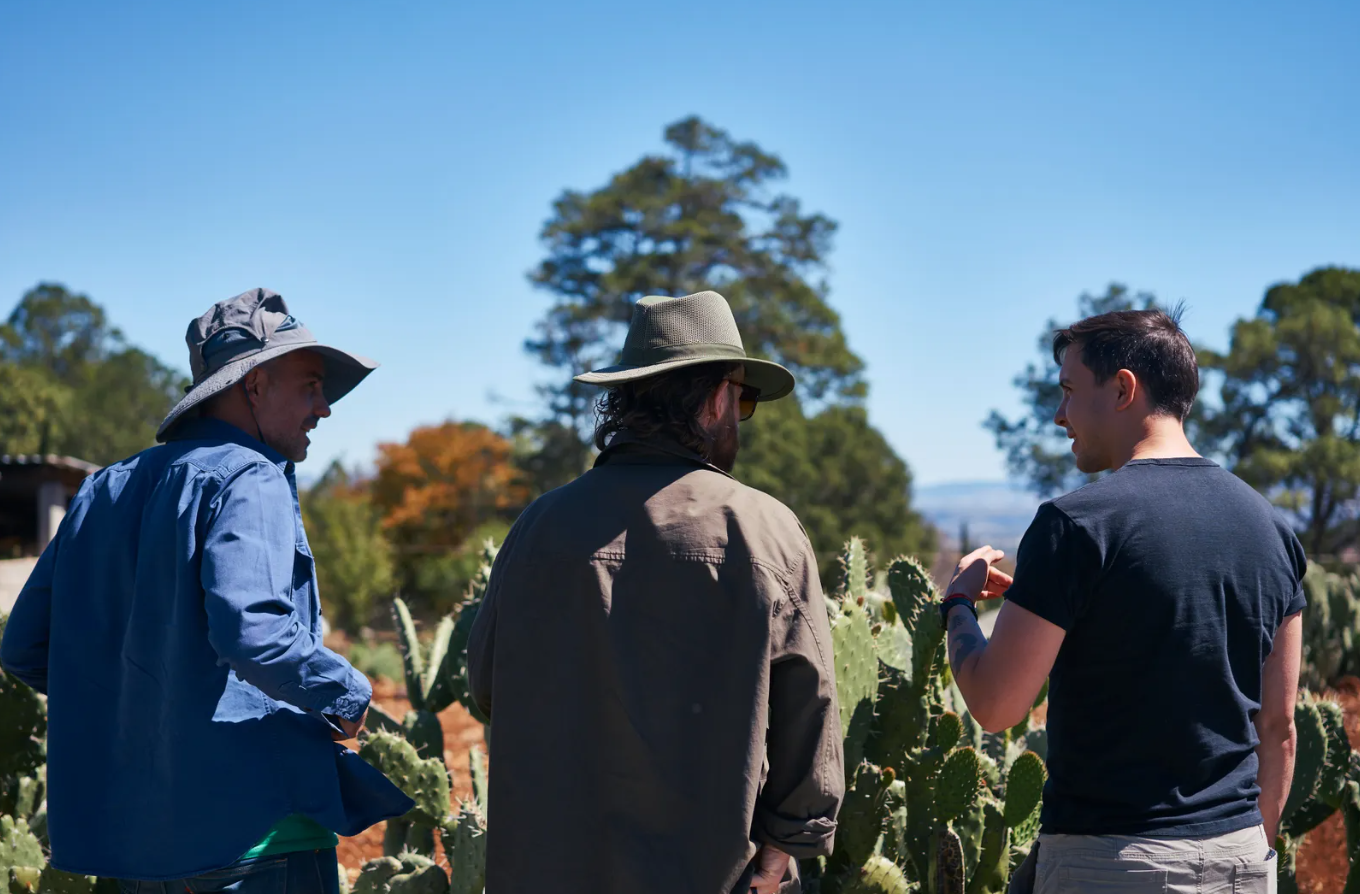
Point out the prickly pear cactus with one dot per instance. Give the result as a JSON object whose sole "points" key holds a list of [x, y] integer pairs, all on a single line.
{"points": [[924, 810], [21, 856], [424, 781], [878, 875], [465, 845], [407, 873], [23, 729], [456, 666], [1326, 779]]}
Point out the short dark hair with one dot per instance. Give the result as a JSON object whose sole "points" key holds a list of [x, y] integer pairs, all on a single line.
{"points": [[665, 405], [1148, 343]]}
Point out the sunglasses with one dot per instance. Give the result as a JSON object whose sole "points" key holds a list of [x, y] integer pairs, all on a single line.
{"points": [[746, 404]]}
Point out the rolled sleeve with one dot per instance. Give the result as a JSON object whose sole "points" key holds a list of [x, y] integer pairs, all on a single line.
{"points": [[797, 806], [249, 556]]}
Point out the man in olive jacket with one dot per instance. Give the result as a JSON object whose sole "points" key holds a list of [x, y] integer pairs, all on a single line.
{"points": [[654, 650]]}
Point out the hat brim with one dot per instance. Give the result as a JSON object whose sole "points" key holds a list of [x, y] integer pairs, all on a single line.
{"points": [[772, 380], [343, 372]]}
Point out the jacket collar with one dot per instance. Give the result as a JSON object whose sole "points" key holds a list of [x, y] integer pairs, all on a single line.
{"points": [[627, 442], [205, 429]]}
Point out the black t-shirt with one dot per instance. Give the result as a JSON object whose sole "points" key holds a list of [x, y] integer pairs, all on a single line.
{"points": [[1171, 577]]}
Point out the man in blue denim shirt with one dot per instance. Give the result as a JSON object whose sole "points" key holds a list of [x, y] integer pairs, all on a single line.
{"points": [[194, 714]]}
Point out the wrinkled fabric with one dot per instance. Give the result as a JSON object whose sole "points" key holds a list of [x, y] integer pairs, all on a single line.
{"points": [[175, 625], [655, 656]]}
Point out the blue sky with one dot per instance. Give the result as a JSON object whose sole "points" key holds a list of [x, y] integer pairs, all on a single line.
{"points": [[387, 168]]}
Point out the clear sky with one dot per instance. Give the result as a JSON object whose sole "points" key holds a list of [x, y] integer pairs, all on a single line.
{"points": [[387, 168]]}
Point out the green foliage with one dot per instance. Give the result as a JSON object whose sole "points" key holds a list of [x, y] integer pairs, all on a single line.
{"points": [[91, 394], [354, 565], [377, 659], [1289, 422], [703, 215], [838, 474], [1331, 627], [33, 410]]}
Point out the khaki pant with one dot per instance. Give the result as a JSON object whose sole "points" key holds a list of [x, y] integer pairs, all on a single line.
{"points": [[1236, 863]]}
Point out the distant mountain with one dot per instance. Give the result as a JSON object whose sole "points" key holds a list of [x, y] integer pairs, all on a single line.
{"points": [[997, 512]]}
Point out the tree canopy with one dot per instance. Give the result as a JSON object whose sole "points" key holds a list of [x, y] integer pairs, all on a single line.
{"points": [[705, 214], [78, 387], [1289, 416]]}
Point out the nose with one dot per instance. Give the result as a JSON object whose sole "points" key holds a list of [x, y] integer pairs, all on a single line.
{"points": [[1060, 415], [322, 408]]}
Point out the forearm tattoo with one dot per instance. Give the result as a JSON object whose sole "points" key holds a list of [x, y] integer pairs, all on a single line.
{"points": [[965, 639]]}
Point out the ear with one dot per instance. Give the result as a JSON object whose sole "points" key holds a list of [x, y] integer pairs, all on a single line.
{"points": [[1127, 388], [712, 410]]}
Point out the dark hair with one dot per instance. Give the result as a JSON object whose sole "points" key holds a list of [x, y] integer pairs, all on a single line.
{"points": [[1148, 343], [665, 405]]}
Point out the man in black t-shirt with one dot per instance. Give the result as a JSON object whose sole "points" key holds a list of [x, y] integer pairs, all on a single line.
{"points": [[1162, 603]]}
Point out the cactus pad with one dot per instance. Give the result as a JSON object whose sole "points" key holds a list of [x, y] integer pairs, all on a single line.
{"points": [[957, 787], [23, 725], [18, 847], [863, 814], [1310, 757], [949, 863], [878, 875], [424, 781], [856, 678], [1024, 788], [481, 786], [854, 572], [54, 881], [948, 730], [465, 846]]}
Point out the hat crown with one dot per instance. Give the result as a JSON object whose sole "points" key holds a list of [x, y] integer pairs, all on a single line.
{"points": [[241, 325], [662, 325]]}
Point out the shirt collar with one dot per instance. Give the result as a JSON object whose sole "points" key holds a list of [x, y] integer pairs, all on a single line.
{"points": [[629, 440], [206, 429]]}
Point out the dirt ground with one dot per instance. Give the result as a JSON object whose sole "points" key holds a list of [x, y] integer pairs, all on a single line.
{"points": [[1322, 863]]}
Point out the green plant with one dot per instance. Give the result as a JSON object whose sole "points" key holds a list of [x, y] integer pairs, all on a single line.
{"points": [[435, 676], [931, 801], [377, 659], [1326, 779], [1331, 627]]}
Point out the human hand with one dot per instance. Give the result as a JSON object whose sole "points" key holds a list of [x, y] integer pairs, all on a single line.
{"points": [[771, 866], [349, 729], [977, 579]]}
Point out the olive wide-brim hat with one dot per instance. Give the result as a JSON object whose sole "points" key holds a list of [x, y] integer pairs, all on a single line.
{"points": [[672, 333], [239, 334]]}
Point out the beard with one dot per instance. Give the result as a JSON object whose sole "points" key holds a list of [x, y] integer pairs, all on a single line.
{"points": [[724, 443]]}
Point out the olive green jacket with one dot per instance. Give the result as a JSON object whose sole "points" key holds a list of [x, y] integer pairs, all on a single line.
{"points": [[655, 657]]}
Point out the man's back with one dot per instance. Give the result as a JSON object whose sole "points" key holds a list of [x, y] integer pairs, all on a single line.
{"points": [[644, 625], [133, 622], [1170, 577]]}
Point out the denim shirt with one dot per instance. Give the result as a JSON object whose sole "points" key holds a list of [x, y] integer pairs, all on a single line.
{"points": [[175, 625]]}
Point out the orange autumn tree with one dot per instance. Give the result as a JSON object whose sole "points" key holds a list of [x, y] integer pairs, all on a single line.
{"points": [[446, 487]]}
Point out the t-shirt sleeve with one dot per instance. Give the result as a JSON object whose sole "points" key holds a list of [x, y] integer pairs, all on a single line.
{"points": [[1298, 599], [1052, 567]]}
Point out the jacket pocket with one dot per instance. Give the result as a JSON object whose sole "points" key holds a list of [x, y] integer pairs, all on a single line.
{"points": [[1256, 878], [1077, 880]]}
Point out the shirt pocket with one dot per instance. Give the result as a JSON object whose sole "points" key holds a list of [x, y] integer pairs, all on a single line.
{"points": [[306, 599]]}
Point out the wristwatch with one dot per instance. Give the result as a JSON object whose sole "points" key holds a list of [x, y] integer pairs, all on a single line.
{"points": [[952, 600]]}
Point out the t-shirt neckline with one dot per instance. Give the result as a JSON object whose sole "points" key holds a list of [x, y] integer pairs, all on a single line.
{"points": [[1171, 461]]}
